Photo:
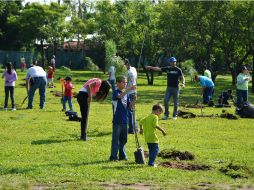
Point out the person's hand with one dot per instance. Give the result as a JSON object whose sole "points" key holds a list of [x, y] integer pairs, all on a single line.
{"points": [[164, 133], [183, 85], [133, 87]]}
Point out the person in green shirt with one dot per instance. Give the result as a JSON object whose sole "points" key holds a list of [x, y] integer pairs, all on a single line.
{"points": [[243, 79], [148, 127]]}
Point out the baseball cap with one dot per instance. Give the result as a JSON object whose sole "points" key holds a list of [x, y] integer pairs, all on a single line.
{"points": [[172, 59]]}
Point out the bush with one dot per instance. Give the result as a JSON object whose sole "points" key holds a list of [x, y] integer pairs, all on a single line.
{"points": [[90, 65], [112, 60]]}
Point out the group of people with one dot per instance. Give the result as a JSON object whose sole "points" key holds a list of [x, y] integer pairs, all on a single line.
{"points": [[124, 96]]}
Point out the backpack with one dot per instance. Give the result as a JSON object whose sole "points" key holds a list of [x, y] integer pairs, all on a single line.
{"points": [[246, 110]]}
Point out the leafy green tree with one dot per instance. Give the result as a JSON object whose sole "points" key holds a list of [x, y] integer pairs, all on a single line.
{"points": [[10, 36]]}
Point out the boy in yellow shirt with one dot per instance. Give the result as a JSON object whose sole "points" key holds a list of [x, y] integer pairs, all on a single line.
{"points": [[148, 126]]}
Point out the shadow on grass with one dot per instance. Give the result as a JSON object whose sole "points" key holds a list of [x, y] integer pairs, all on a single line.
{"points": [[5, 171], [49, 141]]}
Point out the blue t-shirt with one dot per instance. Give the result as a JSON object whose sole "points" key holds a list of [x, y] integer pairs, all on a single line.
{"points": [[120, 108], [205, 81]]}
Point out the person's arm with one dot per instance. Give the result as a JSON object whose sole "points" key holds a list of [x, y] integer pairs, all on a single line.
{"points": [[182, 78], [153, 68], [240, 80], [3, 75], [120, 96], [160, 129], [27, 84]]}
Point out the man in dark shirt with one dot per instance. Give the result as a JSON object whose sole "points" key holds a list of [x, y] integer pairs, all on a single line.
{"points": [[174, 75]]}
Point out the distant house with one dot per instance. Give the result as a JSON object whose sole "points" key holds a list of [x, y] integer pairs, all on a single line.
{"points": [[73, 45]]}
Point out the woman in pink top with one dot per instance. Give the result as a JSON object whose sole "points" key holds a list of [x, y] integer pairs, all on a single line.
{"points": [[93, 88], [10, 78]]}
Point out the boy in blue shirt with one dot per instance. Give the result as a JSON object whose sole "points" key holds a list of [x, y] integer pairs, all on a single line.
{"points": [[121, 103]]}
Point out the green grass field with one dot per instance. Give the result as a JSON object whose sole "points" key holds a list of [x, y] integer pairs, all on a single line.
{"points": [[40, 149]]}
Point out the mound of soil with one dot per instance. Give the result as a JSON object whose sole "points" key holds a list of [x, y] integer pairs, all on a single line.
{"points": [[185, 114], [236, 171], [184, 166], [176, 154], [56, 93]]}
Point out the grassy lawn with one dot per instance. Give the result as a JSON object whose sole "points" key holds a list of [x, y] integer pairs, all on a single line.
{"points": [[40, 149]]}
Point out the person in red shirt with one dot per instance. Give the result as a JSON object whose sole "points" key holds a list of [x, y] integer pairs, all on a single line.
{"points": [[50, 77], [68, 86]]}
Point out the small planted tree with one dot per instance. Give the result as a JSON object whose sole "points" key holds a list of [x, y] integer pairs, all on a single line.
{"points": [[112, 59]]}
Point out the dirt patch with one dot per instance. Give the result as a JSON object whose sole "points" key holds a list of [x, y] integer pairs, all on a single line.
{"points": [[194, 106], [184, 166], [56, 93], [227, 115], [146, 153], [138, 186], [236, 171], [185, 114], [176, 154]]}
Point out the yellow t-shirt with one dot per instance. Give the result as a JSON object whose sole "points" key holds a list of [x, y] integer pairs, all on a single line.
{"points": [[149, 123]]}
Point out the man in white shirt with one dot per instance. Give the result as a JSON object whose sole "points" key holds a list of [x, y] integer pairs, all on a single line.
{"points": [[111, 77], [131, 80], [36, 78]]}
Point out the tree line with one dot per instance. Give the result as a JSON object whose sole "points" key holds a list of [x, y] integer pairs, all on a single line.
{"points": [[216, 34]]}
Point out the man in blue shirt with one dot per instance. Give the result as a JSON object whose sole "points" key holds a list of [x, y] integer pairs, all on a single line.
{"points": [[207, 87]]}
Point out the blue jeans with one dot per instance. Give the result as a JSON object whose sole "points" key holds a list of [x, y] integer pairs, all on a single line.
{"points": [[69, 99], [9, 89], [41, 83], [207, 94], [119, 139], [131, 115], [153, 151], [174, 92], [242, 96], [112, 82]]}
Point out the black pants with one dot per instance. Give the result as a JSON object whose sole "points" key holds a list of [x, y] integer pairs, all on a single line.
{"points": [[82, 98], [7, 90]]}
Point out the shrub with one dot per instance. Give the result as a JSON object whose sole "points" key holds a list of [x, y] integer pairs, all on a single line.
{"points": [[90, 65]]}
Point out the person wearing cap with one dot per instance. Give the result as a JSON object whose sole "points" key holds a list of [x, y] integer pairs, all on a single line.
{"points": [[36, 78], [207, 87], [243, 79], [68, 86], [131, 81], [174, 75]]}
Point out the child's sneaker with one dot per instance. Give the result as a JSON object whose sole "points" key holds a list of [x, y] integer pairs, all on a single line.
{"points": [[175, 118], [13, 109], [164, 117], [5, 109]]}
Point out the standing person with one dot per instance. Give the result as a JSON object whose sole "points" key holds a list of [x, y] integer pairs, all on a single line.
{"points": [[53, 62], [50, 80], [243, 79], [148, 126], [131, 81], [92, 88], [174, 75], [207, 73], [111, 76], [22, 63], [121, 102], [68, 86], [10, 76], [207, 87], [36, 78]]}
